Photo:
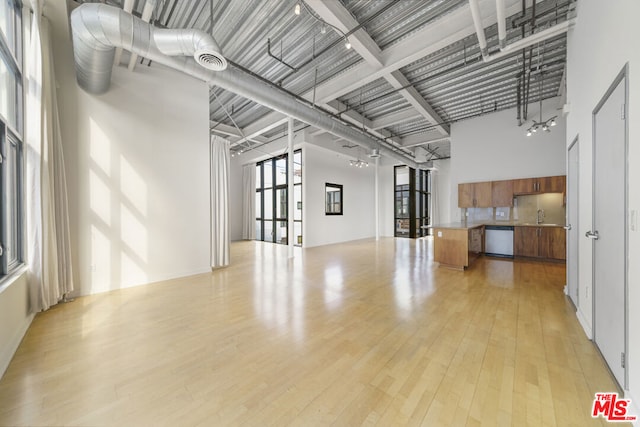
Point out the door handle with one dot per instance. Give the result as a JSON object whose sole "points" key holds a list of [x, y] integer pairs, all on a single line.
{"points": [[567, 227], [593, 235]]}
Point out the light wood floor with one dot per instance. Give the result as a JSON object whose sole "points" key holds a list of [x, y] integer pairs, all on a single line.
{"points": [[359, 333]]}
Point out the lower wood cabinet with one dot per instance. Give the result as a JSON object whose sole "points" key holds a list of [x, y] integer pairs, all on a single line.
{"points": [[525, 241], [457, 247], [540, 242], [553, 243]]}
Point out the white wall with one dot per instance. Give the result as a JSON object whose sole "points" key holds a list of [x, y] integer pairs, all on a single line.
{"points": [[14, 317], [494, 147], [598, 47], [386, 195], [137, 161], [442, 200], [358, 221], [235, 199]]}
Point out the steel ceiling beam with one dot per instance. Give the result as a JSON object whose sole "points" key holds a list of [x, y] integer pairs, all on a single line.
{"points": [[337, 15], [227, 130], [438, 35], [394, 118], [453, 27]]}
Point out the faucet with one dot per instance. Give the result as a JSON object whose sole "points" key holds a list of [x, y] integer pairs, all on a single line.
{"points": [[540, 216]]}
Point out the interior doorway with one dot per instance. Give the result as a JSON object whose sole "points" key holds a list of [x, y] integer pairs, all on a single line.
{"points": [[609, 227], [572, 225]]}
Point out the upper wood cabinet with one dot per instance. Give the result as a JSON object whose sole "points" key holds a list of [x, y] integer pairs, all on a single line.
{"points": [[474, 195], [552, 184], [524, 186], [502, 193], [547, 184]]}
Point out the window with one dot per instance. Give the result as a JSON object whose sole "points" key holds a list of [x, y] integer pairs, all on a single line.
{"points": [[272, 212], [11, 154], [333, 199], [412, 202]]}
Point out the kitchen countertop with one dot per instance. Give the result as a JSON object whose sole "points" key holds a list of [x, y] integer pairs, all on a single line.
{"points": [[462, 225]]}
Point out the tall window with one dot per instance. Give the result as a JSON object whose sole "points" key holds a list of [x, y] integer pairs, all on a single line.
{"points": [[412, 202], [11, 129], [272, 212]]}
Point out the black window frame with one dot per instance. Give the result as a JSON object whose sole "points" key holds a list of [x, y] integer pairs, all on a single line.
{"points": [[275, 188], [340, 188], [417, 196], [12, 239]]}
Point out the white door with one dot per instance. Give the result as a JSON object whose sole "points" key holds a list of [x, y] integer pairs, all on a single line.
{"points": [[609, 227], [572, 220]]}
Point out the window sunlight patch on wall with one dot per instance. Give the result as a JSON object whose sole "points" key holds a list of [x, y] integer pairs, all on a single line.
{"points": [[99, 147], [131, 271], [100, 198], [133, 187], [133, 234]]}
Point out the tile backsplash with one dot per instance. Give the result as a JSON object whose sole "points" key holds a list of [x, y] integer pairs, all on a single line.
{"points": [[525, 209]]}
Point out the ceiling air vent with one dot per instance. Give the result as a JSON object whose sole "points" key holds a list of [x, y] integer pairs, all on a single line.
{"points": [[211, 60]]}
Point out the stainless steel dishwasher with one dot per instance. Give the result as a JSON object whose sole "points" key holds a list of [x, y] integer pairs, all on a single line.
{"points": [[498, 240]]}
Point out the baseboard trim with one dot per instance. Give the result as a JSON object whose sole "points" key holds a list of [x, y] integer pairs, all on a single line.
{"points": [[7, 353], [585, 325], [635, 407]]}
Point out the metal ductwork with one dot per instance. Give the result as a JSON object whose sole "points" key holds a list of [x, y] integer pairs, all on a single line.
{"points": [[99, 29]]}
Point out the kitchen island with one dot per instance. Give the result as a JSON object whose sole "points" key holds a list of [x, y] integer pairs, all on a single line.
{"points": [[457, 245]]}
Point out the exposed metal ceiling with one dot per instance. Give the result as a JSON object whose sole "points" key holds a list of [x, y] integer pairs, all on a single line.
{"points": [[451, 83]]}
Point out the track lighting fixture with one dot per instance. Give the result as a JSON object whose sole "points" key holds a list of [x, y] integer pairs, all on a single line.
{"points": [[545, 125], [358, 163], [347, 43], [296, 9], [323, 29]]}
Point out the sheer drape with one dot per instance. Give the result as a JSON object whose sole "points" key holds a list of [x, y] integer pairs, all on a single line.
{"points": [[219, 202], [249, 201], [48, 242]]}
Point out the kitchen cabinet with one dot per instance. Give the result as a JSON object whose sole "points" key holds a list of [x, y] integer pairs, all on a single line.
{"points": [[552, 243], [547, 184], [525, 241], [474, 195], [540, 242], [552, 184], [457, 247], [502, 193]]}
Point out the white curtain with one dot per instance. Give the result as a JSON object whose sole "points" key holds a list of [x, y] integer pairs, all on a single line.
{"points": [[48, 242], [249, 201], [219, 202]]}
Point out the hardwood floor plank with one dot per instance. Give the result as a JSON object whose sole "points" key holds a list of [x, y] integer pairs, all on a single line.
{"points": [[361, 333]]}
